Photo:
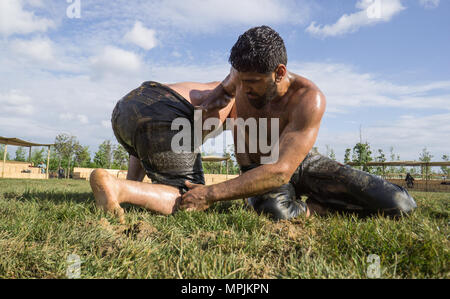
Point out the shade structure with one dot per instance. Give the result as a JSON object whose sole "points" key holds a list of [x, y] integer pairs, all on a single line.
{"points": [[20, 142], [217, 159]]}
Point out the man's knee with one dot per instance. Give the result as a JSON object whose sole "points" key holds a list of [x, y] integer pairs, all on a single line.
{"points": [[279, 204], [399, 202]]}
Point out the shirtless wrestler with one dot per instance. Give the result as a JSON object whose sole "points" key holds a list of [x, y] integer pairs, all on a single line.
{"points": [[258, 87], [263, 88]]}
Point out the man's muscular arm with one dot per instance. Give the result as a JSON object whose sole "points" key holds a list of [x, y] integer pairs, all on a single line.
{"points": [[222, 95], [296, 141]]}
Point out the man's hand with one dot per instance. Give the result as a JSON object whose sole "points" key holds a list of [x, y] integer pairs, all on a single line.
{"points": [[216, 100], [222, 95], [195, 199]]}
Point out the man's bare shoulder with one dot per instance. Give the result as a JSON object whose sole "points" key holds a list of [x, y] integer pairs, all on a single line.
{"points": [[193, 91], [302, 84], [305, 92], [307, 99], [194, 85]]}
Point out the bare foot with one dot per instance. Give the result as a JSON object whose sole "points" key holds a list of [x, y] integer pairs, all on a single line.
{"points": [[106, 193]]}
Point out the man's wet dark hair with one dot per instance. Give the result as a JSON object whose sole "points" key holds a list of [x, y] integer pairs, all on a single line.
{"points": [[260, 49]]}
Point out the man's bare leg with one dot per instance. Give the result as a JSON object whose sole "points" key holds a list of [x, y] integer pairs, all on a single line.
{"points": [[110, 192]]}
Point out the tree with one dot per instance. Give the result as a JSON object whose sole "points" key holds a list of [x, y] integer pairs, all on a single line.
{"points": [[54, 159], [392, 169], [445, 169], [82, 157], [380, 158], [20, 154], [413, 171], [347, 156], [65, 146], [330, 153], [121, 157], [2, 152], [37, 156], [402, 169], [233, 166], [426, 156], [362, 155], [103, 157], [210, 167]]}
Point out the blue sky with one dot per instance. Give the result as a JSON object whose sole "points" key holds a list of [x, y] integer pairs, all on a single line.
{"points": [[382, 64]]}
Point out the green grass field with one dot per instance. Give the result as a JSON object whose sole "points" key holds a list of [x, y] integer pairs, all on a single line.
{"points": [[42, 223]]}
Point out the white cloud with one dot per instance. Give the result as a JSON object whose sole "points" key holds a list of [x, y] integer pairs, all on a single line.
{"points": [[106, 124], [39, 49], [91, 102], [176, 54], [83, 119], [407, 134], [207, 16], [15, 20], [429, 3], [371, 12], [66, 116], [346, 89], [35, 3], [192, 73], [16, 103], [113, 60], [41, 53], [141, 36]]}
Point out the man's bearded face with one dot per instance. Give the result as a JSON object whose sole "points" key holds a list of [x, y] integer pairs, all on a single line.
{"points": [[260, 102], [260, 89]]}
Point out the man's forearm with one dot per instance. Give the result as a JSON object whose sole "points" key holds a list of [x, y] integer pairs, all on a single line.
{"points": [[219, 97], [257, 181]]}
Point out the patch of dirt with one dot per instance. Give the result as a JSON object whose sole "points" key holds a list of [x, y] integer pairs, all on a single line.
{"points": [[227, 233], [104, 223], [293, 230], [208, 235], [140, 230], [111, 247]]}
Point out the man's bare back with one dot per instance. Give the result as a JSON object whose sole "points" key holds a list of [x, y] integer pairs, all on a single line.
{"points": [[197, 93]]}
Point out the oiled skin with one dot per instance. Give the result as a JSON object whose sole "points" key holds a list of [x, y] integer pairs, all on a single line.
{"points": [[109, 192], [298, 104]]}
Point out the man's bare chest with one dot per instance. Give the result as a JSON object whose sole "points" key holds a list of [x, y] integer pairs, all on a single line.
{"points": [[268, 119]]}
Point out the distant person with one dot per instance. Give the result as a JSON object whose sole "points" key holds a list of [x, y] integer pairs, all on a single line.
{"points": [[409, 180], [42, 166], [60, 173]]}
